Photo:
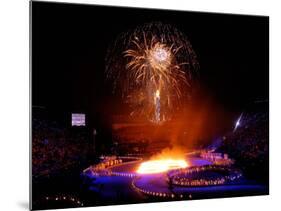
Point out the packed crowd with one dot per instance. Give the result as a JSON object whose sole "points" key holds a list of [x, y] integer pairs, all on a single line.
{"points": [[248, 144], [55, 148]]}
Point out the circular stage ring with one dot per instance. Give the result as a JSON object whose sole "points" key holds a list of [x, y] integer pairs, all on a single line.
{"points": [[179, 177]]}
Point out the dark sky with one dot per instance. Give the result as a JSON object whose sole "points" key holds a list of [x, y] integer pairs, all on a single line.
{"points": [[69, 44]]}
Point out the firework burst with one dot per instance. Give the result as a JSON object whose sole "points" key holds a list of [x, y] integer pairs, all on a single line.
{"points": [[152, 58]]}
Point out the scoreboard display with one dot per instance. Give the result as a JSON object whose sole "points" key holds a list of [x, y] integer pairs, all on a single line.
{"points": [[78, 119]]}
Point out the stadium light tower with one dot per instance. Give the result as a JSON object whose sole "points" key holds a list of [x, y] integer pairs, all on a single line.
{"points": [[94, 139]]}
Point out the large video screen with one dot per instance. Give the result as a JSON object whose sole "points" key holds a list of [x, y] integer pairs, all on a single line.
{"points": [[78, 119]]}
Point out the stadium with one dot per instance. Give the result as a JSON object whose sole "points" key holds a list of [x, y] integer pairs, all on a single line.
{"points": [[135, 110], [224, 168]]}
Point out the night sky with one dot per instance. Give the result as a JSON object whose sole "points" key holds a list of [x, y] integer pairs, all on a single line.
{"points": [[70, 41]]}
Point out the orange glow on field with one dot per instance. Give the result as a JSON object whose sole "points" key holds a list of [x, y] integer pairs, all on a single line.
{"points": [[161, 165]]}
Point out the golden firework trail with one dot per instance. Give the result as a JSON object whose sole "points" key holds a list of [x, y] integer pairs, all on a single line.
{"points": [[154, 56]]}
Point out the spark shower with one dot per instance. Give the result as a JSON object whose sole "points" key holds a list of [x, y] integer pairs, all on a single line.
{"points": [[152, 67]]}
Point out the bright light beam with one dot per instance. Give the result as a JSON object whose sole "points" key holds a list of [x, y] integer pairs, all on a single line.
{"points": [[237, 124]]}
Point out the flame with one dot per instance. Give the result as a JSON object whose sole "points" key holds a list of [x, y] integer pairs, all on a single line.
{"points": [[161, 165], [157, 94]]}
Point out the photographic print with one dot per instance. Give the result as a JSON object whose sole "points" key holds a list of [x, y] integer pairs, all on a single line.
{"points": [[136, 105]]}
